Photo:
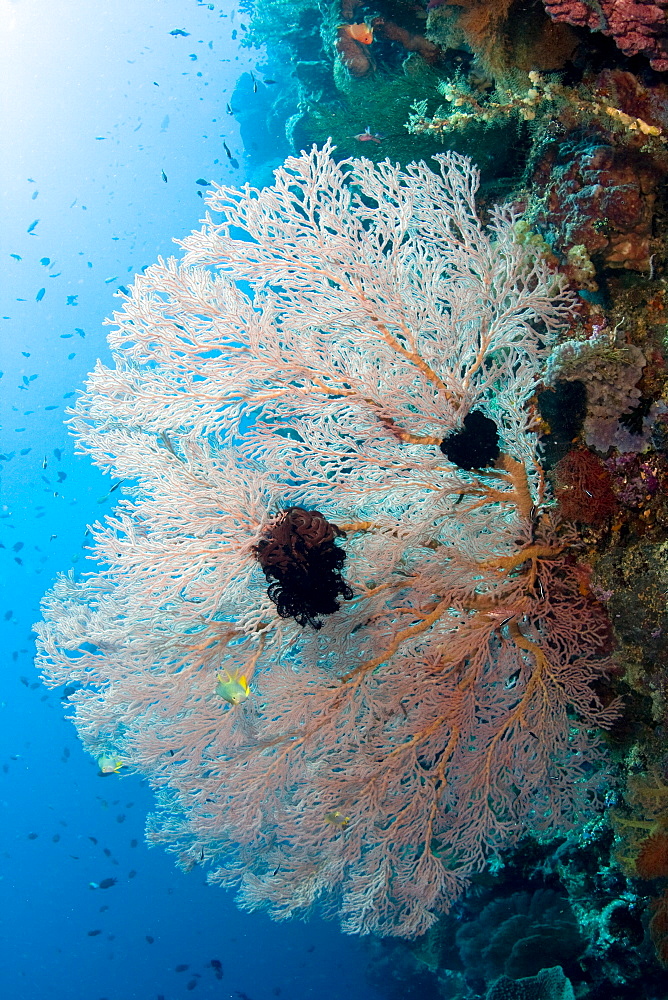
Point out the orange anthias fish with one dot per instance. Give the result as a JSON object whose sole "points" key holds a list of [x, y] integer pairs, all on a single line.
{"points": [[359, 32], [368, 136]]}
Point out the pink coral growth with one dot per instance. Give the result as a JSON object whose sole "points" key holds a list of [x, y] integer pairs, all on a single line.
{"points": [[445, 704], [637, 26]]}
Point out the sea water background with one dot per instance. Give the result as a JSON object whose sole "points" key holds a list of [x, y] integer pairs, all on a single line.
{"points": [[98, 98]]}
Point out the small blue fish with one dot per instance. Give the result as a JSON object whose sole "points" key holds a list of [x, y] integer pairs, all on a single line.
{"points": [[108, 281], [44, 261], [40, 295], [179, 31], [32, 226], [164, 176], [106, 883], [72, 300], [16, 256], [200, 180]]}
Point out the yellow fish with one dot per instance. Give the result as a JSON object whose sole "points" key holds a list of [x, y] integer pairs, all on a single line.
{"points": [[109, 763], [234, 690], [336, 818]]}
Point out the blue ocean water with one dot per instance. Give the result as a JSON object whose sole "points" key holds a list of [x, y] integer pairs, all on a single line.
{"points": [[111, 113]]}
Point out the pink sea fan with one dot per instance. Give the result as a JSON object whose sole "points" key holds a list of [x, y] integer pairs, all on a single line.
{"points": [[318, 342]]}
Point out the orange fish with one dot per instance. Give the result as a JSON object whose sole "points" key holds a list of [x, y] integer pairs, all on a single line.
{"points": [[360, 32], [368, 136]]}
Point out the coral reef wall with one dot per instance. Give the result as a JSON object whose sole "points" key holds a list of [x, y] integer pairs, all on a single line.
{"points": [[383, 611]]}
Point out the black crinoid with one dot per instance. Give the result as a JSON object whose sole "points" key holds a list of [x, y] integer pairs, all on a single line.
{"points": [[303, 565], [476, 445]]}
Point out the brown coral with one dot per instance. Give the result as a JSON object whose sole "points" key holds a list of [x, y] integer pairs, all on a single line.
{"points": [[505, 35], [410, 40], [582, 487], [652, 860], [352, 54]]}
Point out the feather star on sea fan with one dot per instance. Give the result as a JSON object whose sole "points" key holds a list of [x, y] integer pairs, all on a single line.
{"points": [[287, 392]]}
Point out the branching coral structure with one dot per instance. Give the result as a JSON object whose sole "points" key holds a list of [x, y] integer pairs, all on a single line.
{"points": [[287, 394]]}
